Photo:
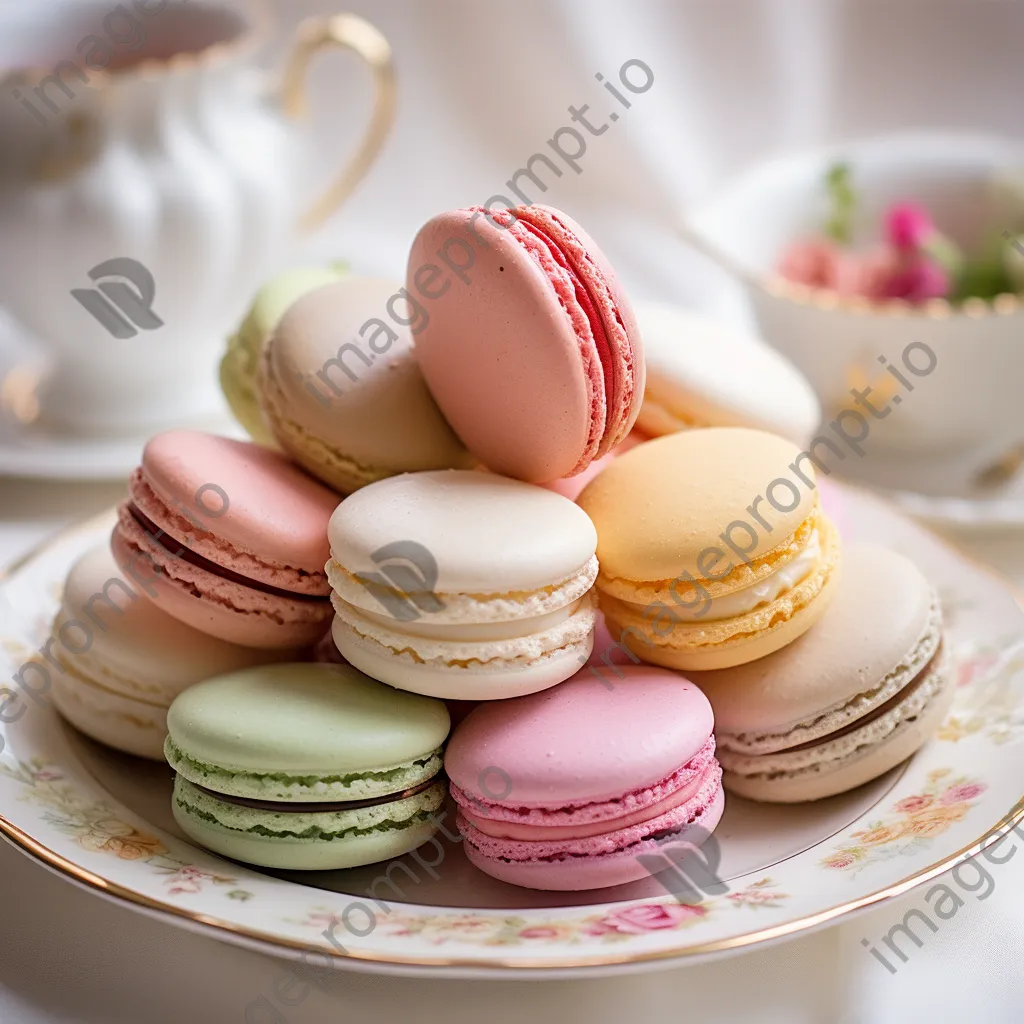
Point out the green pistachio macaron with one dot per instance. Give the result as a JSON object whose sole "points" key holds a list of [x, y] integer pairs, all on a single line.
{"points": [[306, 766], [239, 366]]}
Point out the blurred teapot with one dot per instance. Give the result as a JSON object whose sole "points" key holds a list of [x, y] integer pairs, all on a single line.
{"points": [[147, 184]]}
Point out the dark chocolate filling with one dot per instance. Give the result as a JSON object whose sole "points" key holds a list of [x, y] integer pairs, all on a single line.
{"points": [[897, 698], [310, 807], [186, 554]]}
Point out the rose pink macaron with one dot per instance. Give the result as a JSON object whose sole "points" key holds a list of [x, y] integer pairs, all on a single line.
{"points": [[531, 349], [228, 537], [569, 788]]}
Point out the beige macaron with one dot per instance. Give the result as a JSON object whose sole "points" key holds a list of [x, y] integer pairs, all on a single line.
{"points": [[847, 701], [343, 393], [713, 548], [702, 372]]}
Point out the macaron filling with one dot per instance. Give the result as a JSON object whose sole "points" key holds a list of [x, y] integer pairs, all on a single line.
{"points": [[840, 747], [663, 824], [512, 830], [306, 823], [156, 522], [368, 597], [831, 721], [459, 650], [768, 588], [314, 807], [179, 550], [317, 787]]}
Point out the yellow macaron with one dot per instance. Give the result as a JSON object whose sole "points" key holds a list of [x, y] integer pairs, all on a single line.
{"points": [[713, 548]]}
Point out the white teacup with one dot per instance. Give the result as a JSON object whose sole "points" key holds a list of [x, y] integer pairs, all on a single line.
{"points": [[147, 184], [966, 410]]}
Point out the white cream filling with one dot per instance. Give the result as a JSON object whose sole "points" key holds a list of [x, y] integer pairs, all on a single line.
{"points": [[741, 602], [465, 631]]}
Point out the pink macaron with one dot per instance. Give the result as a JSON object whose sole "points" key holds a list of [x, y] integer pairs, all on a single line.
{"points": [[228, 537], [531, 349], [569, 788]]}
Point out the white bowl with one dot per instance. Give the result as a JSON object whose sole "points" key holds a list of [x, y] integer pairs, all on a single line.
{"points": [[968, 410]]}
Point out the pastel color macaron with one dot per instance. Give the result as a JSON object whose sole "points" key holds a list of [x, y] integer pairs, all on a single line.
{"points": [[306, 766], [714, 550], [240, 365], [343, 393], [847, 701], [123, 660], [705, 373], [531, 350], [579, 786], [228, 537], [571, 487], [463, 585]]}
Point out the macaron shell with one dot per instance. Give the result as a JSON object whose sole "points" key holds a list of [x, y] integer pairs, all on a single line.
{"points": [[350, 432], [136, 649], [658, 506], [252, 505], [873, 759], [876, 621], [292, 852], [522, 402], [306, 719], [581, 872], [214, 605], [702, 372], [123, 723], [487, 534], [532, 402], [581, 742]]}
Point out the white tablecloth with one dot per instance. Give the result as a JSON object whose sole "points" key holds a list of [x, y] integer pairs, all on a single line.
{"points": [[483, 86]]}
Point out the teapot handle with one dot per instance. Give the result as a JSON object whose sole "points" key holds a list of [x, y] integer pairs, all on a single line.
{"points": [[353, 33]]}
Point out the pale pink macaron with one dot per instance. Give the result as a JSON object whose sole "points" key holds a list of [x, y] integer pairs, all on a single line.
{"points": [[531, 349], [577, 786], [228, 537], [572, 486]]}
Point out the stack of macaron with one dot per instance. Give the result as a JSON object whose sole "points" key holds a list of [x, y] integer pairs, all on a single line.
{"points": [[449, 498]]}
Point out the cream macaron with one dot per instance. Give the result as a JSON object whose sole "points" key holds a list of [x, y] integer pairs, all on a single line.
{"points": [[123, 660], [713, 548], [702, 372], [343, 393], [848, 700], [463, 585]]}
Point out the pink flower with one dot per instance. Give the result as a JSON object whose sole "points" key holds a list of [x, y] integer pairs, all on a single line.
{"points": [[844, 858], [913, 804], [539, 933], [916, 280], [957, 794], [810, 261], [647, 917], [908, 226]]}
